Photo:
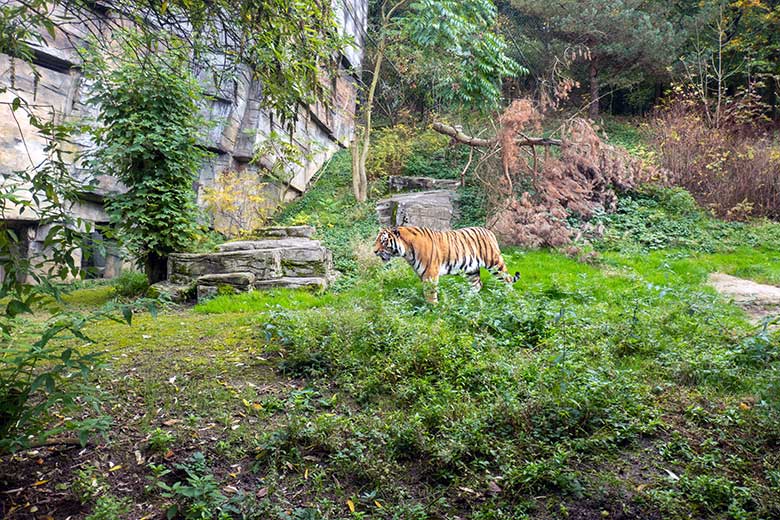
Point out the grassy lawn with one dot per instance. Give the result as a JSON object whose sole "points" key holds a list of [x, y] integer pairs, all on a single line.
{"points": [[615, 385]]}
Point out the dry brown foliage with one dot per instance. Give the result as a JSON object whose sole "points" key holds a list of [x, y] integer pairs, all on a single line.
{"points": [[732, 168], [582, 178]]}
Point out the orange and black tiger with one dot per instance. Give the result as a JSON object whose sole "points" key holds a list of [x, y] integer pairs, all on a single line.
{"points": [[435, 253]]}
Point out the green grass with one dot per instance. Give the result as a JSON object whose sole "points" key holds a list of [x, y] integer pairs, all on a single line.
{"points": [[622, 386]]}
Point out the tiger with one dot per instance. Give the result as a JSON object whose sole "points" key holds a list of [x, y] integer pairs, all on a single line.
{"points": [[435, 253]]}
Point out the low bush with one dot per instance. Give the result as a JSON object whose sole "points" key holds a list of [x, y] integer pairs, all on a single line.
{"points": [[732, 168], [130, 284]]}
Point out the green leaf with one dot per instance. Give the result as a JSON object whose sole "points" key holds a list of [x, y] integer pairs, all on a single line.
{"points": [[127, 313], [16, 307], [49, 25]]}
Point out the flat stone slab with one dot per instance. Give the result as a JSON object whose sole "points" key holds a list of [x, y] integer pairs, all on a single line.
{"points": [[172, 292], [285, 232], [758, 299], [432, 209], [311, 282], [404, 183], [184, 268], [285, 261], [244, 280], [282, 243]]}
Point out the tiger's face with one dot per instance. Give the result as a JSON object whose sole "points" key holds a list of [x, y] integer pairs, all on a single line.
{"points": [[389, 244]]}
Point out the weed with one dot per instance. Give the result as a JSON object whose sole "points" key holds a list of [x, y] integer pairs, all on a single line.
{"points": [[160, 440], [88, 484], [109, 507]]}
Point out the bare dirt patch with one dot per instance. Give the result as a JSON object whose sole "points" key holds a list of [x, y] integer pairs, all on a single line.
{"points": [[759, 300]]}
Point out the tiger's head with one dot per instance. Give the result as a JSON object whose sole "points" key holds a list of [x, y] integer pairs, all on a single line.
{"points": [[389, 244]]}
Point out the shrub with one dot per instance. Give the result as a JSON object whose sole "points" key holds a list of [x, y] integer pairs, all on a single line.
{"points": [[130, 284], [402, 149], [239, 203], [734, 168]]}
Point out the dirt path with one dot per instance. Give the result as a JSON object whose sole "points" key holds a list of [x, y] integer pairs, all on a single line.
{"points": [[759, 300]]}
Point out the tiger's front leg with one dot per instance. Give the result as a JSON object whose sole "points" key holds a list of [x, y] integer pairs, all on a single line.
{"points": [[431, 289]]}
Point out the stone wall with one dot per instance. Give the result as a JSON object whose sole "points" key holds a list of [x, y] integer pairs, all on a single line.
{"points": [[57, 89]]}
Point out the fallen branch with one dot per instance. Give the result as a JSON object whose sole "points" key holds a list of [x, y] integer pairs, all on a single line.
{"points": [[457, 134]]}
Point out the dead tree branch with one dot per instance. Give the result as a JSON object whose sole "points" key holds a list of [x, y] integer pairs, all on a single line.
{"points": [[457, 134]]}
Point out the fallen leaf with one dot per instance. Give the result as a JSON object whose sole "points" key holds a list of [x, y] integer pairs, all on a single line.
{"points": [[351, 505], [378, 504], [493, 487], [306, 474], [168, 454], [641, 487], [262, 492], [672, 475], [744, 406], [171, 422], [139, 459], [40, 483], [115, 468]]}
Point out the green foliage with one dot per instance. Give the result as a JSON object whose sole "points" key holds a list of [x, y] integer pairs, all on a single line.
{"points": [[130, 284], [653, 219], [148, 139], [160, 440], [198, 496], [463, 58], [89, 484], [393, 147], [109, 507], [38, 375]]}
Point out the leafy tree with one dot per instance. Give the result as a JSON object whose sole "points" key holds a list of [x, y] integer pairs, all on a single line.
{"points": [[626, 39], [148, 139], [459, 53], [38, 375]]}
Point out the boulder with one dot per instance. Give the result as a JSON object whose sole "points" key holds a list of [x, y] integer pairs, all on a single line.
{"points": [[432, 209], [172, 292], [287, 261], [186, 267]]}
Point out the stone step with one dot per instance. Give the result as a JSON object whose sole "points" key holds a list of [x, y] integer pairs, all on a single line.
{"points": [[288, 261], [277, 232]]}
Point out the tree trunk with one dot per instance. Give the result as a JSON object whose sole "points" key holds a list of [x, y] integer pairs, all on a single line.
{"points": [[156, 268], [359, 179], [593, 111], [362, 143]]}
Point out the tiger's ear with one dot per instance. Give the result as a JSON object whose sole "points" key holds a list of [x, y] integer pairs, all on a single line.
{"points": [[396, 231]]}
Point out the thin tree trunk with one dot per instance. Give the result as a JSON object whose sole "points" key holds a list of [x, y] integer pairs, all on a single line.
{"points": [[360, 152], [593, 111]]}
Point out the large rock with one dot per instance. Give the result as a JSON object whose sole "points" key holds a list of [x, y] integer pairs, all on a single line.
{"points": [[284, 232], [432, 209], [402, 183], [246, 265]]}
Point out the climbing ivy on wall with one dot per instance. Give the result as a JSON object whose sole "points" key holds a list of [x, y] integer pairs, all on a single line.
{"points": [[148, 138]]}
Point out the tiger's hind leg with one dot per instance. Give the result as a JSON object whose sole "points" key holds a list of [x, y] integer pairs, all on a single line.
{"points": [[475, 281]]}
